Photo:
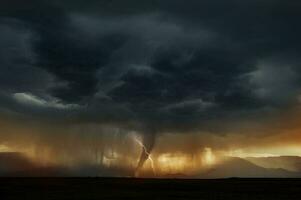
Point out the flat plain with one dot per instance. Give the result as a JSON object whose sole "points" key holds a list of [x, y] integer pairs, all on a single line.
{"points": [[144, 189]]}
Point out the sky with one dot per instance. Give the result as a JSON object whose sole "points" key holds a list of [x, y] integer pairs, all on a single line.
{"points": [[179, 76]]}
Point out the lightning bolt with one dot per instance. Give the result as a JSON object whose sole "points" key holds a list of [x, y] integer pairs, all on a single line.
{"points": [[149, 157]]}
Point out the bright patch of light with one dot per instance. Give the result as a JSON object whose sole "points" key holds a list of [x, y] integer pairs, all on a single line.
{"points": [[208, 158], [173, 163], [32, 100], [4, 148]]}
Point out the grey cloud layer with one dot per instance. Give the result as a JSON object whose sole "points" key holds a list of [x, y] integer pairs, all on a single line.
{"points": [[159, 63]]}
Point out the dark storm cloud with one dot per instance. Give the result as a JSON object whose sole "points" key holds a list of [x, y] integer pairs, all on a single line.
{"points": [[161, 63]]}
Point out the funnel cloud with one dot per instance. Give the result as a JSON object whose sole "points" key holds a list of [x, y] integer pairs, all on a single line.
{"points": [[148, 143]]}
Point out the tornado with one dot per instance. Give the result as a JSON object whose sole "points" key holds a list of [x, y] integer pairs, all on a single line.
{"points": [[148, 141]]}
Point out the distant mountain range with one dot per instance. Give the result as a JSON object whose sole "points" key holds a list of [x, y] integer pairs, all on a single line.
{"points": [[239, 167], [291, 163], [13, 164], [16, 164]]}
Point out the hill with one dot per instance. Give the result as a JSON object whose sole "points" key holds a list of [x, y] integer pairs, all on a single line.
{"points": [[291, 163], [238, 167]]}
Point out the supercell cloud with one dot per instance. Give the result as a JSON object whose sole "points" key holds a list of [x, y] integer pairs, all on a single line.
{"points": [[168, 66]]}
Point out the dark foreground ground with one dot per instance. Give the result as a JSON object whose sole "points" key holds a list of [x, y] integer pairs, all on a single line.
{"points": [[123, 188]]}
